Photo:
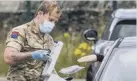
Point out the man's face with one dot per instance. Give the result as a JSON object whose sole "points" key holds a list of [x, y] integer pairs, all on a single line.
{"points": [[47, 20]]}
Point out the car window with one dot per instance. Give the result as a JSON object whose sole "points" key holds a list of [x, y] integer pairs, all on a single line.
{"points": [[126, 28], [105, 35], [127, 31], [121, 66]]}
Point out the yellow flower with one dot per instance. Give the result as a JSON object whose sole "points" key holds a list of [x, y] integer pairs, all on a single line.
{"points": [[66, 35], [89, 48], [83, 54], [77, 52], [83, 45]]}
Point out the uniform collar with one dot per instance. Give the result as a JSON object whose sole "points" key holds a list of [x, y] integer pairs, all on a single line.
{"points": [[34, 28]]}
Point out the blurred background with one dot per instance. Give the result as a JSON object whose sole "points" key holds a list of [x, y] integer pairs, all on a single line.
{"points": [[77, 16]]}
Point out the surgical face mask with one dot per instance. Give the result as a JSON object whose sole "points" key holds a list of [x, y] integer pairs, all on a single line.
{"points": [[46, 27]]}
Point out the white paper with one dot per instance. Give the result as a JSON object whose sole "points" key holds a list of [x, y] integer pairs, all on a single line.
{"points": [[49, 67]]}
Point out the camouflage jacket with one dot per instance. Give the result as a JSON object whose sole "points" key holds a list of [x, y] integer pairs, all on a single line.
{"points": [[26, 38]]}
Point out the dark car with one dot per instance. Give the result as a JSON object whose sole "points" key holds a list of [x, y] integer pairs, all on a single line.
{"points": [[121, 25], [119, 64]]}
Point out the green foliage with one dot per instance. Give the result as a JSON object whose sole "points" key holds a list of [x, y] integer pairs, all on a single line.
{"points": [[3, 66], [67, 57]]}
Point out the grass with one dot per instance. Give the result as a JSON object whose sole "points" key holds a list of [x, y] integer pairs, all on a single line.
{"points": [[3, 66]]}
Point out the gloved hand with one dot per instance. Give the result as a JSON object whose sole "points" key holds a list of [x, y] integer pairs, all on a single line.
{"points": [[41, 55]]}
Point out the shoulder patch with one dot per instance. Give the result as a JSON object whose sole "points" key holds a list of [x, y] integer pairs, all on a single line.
{"points": [[14, 34]]}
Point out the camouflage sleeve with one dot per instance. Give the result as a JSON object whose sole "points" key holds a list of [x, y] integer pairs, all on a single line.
{"points": [[15, 38]]}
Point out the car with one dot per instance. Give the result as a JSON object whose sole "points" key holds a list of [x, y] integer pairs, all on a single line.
{"points": [[122, 24], [119, 64]]}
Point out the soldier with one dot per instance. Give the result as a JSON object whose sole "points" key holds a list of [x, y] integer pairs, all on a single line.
{"points": [[27, 44]]}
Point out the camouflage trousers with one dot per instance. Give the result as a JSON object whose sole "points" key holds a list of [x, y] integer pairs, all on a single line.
{"points": [[26, 76], [23, 78]]}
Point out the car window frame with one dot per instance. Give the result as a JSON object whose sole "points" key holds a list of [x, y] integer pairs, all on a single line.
{"points": [[107, 30]]}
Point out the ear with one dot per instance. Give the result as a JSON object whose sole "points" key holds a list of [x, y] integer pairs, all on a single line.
{"points": [[40, 13], [46, 15]]}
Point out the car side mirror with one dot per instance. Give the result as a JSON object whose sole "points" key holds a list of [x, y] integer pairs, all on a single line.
{"points": [[90, 34]]}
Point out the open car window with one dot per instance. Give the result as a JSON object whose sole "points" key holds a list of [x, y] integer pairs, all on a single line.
{"points": [[125, 28]]}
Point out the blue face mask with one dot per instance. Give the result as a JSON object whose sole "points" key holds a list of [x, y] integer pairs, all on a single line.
{"points": [[46, 27]]}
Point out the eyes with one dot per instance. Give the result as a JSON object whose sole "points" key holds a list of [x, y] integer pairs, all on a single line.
{"points": [[52, 20]]}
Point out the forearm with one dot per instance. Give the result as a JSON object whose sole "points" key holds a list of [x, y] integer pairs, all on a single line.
{"points": [[20, 56], [12, 56]]}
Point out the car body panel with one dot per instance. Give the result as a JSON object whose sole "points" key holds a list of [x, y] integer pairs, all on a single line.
{"points": [[121, 66], [123, 46]]}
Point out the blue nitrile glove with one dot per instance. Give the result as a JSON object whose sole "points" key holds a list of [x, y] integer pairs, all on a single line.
{"points": [[41, 55]]}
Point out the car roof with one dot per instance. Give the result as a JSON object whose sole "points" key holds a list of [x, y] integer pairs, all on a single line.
{"points": [[125, 13]]}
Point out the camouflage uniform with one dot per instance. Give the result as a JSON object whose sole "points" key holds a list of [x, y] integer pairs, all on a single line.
{"points": [[29, 39]]}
